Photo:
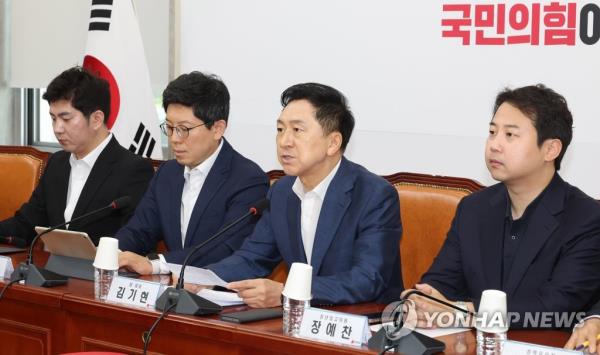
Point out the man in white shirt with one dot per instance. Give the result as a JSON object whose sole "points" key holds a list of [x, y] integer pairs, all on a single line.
{"points": [[203, 189], [90, 172], [328, 212]]}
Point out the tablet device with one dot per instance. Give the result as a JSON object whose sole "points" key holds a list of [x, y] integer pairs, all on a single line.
{"points": [[68, 243], [252, 315]]}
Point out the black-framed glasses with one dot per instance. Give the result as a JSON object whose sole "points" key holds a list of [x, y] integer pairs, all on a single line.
{"points": [[182, 131]]}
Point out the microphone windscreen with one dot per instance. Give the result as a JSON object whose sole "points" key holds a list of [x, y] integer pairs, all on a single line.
{"points": [[260, 206], [121, 202]]}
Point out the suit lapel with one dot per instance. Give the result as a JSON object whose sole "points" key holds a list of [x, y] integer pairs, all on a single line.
{"points": [[491, 239], [540, 228], [100, 171], [63, 173], [337, 200], [217, 176], [175, 205], [295, 233]]}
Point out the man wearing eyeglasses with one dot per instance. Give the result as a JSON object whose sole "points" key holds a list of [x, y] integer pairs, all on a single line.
{"points": [[204, 188]]}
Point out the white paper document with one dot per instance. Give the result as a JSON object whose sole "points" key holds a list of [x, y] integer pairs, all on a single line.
{"points": [[196, 275], [220, 297]]}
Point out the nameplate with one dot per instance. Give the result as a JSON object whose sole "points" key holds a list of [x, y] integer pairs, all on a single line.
{"points": [[133, 292], [6, 267], [336, 327], [520, 348]]}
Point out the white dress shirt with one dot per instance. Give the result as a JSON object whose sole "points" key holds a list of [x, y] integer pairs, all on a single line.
{"points": [[80, 171], [310, 209], [194, 180]]}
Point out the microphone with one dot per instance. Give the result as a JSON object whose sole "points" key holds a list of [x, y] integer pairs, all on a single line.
{"points": [[40, 277], [412, 342], [18, 242], [190, 303]]}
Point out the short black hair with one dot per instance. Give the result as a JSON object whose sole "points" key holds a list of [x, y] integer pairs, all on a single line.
{"points": [[86, 92], [547, 110], [206, 94], [333, 113]]}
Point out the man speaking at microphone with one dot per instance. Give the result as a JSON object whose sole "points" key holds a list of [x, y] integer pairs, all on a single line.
{"points": [[328, 212], [90, 172], [204, 188]]}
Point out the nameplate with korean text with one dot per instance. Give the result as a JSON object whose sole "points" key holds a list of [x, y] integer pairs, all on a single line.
{"points": [[133, 292], [336, 327], [521, 348], [6, 267]]}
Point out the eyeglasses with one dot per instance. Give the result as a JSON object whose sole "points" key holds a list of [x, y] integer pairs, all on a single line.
{"points": [[182, 131]]}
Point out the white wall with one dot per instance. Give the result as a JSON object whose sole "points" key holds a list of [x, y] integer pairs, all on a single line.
{"points": [[49, 37], [422, 102]]}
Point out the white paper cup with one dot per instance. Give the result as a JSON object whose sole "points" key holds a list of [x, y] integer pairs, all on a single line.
{"points": [[107, 254], [298, 283], [491, 316]]}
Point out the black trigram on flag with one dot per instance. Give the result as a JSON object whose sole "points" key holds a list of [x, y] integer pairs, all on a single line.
{"points": [[100, 15], [146, 146]]}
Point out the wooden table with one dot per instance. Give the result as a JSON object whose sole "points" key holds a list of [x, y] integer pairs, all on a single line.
{"points": [[67, 318]]}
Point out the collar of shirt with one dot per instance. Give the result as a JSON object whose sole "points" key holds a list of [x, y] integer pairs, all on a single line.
{"points": [[203, 168], [320, 190], [530, 208], [90, 159]]}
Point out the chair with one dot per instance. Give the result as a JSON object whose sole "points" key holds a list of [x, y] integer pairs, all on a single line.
{"points": [[427, 206], [20, 171]]}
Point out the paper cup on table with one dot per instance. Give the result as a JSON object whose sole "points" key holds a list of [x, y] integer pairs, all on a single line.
{"points": [[107, 254], [492, 316], [298, 283]]}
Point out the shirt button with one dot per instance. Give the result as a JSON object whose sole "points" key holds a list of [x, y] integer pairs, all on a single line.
{"points": [[514, 237]]}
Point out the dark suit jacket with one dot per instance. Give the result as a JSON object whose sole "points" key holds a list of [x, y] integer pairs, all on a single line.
{"points": [[555, 268], [116, 173], [355, 255], [233, 184], [595, 311]]}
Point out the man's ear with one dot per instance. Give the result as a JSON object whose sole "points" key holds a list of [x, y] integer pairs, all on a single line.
{"points": [[335, 143], [552, 149], [97, 119], [219, 128]]}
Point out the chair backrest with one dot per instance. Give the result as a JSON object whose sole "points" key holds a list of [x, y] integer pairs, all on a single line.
{"points": [[20, 172], [427, 206]]}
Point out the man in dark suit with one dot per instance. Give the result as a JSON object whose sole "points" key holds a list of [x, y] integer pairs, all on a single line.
{"points": [[328, 212], [588, 330], [206, 187], [90, 172], [533, 235]]}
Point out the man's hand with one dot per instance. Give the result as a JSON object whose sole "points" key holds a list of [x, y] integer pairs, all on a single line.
{"points": [[588, 332], [133, 262], [258, 293], [431, 314]]}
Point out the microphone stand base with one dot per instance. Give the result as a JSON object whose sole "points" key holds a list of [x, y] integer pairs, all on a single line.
{"points": [[187, 303], [413, 343], [36, 276]]}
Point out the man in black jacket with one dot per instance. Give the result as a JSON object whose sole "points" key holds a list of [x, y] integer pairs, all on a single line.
{"points": [[90, 172]]}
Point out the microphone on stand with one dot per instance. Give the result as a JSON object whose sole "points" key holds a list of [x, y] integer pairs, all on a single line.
{"points": [[37, 276], [413, 342], [187, 302]]}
